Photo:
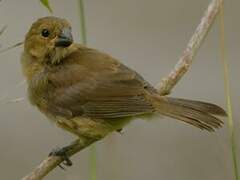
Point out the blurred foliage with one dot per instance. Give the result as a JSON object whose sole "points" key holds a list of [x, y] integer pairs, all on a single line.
{"points": [[47, 5], [83, 32], [82, 22], [228, 95]]}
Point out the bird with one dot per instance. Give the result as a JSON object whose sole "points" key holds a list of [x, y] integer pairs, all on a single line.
{"points": [[90, 93]]}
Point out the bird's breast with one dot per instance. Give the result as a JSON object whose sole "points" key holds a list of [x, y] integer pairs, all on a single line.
{"points": [[37, 89]]}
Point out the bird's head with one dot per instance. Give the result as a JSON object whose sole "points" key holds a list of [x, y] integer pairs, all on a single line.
{"points": [[49, 39]]}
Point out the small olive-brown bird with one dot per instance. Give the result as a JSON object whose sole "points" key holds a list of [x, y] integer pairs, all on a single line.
{"points": [[90, 93]]}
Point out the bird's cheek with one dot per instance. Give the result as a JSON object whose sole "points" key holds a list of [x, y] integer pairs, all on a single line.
{"points": [[38, 52]]}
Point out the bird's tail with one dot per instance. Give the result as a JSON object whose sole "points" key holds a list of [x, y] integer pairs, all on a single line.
{"points": [[197, 113]]}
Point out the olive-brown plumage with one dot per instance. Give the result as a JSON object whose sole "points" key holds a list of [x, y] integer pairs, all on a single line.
{"points": [[89, 93]]}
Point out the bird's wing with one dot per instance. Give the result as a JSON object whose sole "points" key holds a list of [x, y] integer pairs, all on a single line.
{"points": [[92, 84]]}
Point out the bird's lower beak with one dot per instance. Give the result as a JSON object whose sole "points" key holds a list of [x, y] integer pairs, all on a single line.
{"points": [[65, 39]]}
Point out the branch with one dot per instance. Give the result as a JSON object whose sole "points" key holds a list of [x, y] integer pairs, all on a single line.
{"points": [[165, 85], [52, 162]]}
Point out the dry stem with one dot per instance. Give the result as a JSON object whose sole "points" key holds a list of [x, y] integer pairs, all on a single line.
{"points": [[165, 85]]}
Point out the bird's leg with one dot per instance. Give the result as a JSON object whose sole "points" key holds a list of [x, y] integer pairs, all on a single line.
{"points": [[64, 153]]}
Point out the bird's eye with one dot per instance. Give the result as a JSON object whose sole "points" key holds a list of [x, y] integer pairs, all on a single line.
{"points": [[45, 33]]}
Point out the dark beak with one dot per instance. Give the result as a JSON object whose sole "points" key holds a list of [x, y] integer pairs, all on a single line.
{"points": [[65, 39]]}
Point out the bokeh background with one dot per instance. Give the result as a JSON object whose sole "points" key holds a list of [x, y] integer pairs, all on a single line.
{"points": [[149, 36]]}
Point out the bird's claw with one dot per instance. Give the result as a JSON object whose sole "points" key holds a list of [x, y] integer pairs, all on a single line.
{"points": [[120, 131], [62, 152]]}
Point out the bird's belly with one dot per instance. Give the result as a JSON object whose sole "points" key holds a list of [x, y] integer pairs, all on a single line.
{"points": [[88, 127]]}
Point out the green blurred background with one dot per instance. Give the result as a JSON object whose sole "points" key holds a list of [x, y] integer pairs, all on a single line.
{"points": [[149, 36]]}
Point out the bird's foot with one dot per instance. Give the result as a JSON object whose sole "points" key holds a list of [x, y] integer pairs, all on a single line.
{"points": [[62, 152]]}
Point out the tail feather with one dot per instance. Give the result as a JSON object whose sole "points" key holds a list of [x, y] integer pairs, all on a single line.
{"points": [[196, 113], [199, 105]]}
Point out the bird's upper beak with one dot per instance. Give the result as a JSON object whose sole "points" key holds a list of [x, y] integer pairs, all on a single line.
{"points": [[65, 39]]}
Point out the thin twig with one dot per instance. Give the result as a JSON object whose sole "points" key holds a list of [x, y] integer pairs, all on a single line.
{"points": [[11, 47], [3, 29], [164, 88], [16, 100]]}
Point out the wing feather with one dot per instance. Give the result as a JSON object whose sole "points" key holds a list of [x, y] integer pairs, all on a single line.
{"points": [[98, 86]]}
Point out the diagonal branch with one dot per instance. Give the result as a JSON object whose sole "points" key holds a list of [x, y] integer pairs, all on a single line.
{"points": [[164, 87], [167, 83]]}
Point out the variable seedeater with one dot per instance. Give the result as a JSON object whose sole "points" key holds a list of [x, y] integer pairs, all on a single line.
{"points": [[89, 93]]}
